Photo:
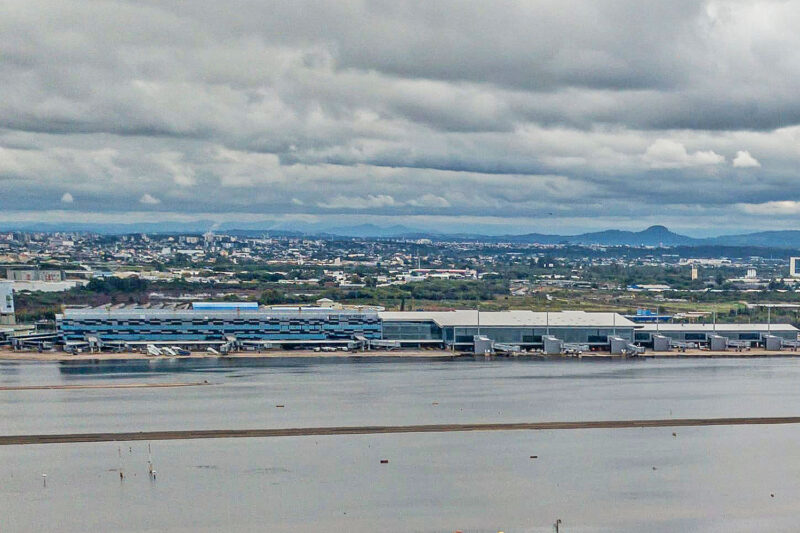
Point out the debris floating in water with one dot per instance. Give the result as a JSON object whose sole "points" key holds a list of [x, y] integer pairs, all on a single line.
{"points": [[534, 456], [279, 405], [384, 461]]}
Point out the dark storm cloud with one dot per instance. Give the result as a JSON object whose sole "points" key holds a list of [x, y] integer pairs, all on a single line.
{"points": [[320, 109]]}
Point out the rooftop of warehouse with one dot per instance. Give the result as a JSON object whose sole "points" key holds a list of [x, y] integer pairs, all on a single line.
{"points": [[718, 327], [511, 318]]}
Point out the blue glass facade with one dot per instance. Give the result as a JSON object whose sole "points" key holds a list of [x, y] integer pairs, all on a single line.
{"points": [[204, 325]]}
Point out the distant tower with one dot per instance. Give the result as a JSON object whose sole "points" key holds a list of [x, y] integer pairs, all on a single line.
{"points": [[794, 267], [694, 272], [7, 302]]}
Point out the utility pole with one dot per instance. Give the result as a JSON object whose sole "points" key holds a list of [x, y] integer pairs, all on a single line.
{"points": [[478, 310], [658, 316], [547, 320], [769, 319]]}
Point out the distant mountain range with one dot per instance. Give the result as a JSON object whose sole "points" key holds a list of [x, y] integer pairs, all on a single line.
{"points": [[652, 236], [662, 236]]}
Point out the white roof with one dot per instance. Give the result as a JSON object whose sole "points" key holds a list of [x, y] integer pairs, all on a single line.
{"points": [[138, 312], [651, 328], [511, 318]]}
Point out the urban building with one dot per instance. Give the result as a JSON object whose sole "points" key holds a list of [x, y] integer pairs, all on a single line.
{"points": [[794, 267], [33, 274], [6, 303]]}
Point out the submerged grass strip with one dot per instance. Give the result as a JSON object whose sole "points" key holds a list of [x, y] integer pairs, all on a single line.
{"points": [[101, 386], [6, 440]]}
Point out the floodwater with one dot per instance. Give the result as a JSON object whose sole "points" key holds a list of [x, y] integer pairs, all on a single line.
{"points": [[741, 478]]}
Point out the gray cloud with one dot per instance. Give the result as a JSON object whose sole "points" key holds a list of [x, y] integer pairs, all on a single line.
{"points": [[396, 110]]}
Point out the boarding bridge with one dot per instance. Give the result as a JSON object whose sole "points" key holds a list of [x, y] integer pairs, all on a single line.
{"points": [[257, 345], [74, 347], [634, 350], [620, 346], [38, 341], [793, 345], [384, 344], [152, 350], [231, 345], [507, 348], [574, 348], [360, 342], [682, 346], [739, 346]]}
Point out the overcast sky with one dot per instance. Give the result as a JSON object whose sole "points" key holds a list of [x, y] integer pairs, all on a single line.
{"points": [[545, 116]]}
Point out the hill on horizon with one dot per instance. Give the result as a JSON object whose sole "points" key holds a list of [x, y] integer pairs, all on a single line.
{"points": [[656, 235]]}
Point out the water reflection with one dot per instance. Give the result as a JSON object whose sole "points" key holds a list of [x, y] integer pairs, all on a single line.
{"points": [[193, 364]]}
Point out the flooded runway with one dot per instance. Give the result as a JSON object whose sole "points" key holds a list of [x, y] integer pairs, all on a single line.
{"points": [[629, 476]]}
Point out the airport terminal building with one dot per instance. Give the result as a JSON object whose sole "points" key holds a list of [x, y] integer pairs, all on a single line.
{"points": [[232, 326], [214, 323], [526, 329], [210, 323]]}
